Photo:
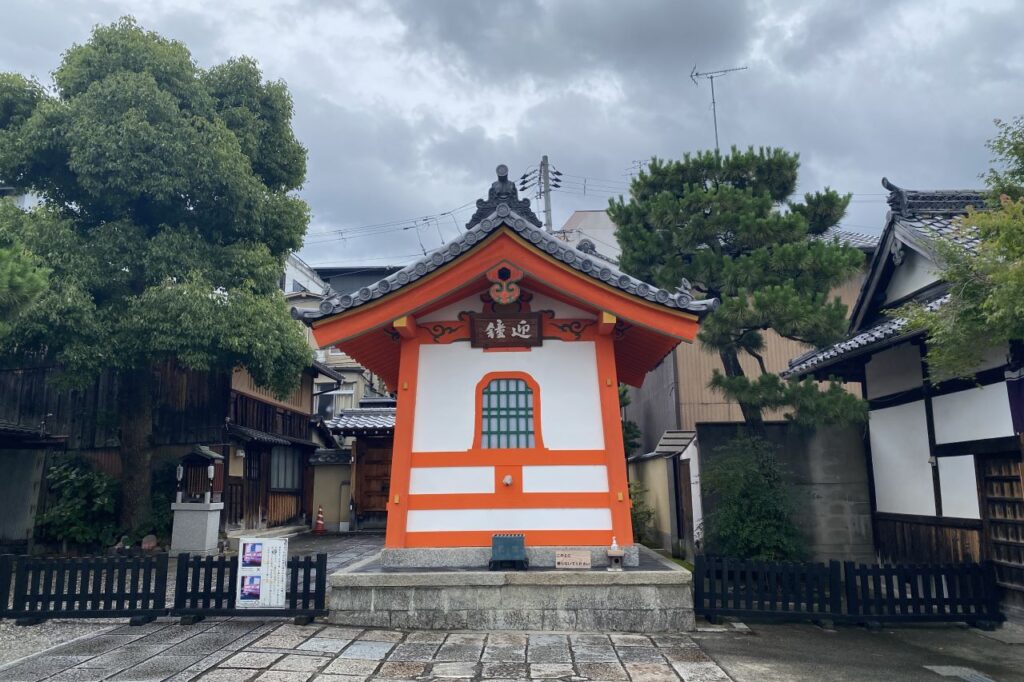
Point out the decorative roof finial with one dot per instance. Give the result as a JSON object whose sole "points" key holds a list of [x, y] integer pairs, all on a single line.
{"points": [[502, 191]]}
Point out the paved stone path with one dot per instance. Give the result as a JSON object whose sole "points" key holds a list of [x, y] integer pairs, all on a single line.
{"points": [[243, 650], [341, 550]]}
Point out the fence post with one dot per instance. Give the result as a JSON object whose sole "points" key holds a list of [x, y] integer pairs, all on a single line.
{"points": [[6, 572], [850, 576], [835, 588], [698, 583], [321, 582]]}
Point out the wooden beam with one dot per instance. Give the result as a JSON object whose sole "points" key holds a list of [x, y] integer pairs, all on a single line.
{"points": [[405, 326], [606, 323]]}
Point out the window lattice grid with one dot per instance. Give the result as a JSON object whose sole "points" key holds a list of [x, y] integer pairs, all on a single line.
{"points": [[507, 415]]}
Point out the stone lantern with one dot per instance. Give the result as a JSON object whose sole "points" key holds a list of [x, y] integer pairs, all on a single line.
{"points": [[197, 503]]}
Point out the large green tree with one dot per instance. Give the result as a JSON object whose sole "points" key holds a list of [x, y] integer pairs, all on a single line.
{"points": [[984, 269], [22, 277], [729, 225], [167, 212]]}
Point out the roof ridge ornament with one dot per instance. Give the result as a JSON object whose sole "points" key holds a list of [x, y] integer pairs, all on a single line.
{"points": [[502, 198]]}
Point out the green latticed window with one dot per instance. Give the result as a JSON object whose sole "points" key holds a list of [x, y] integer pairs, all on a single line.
{"points": [[507, 415]]}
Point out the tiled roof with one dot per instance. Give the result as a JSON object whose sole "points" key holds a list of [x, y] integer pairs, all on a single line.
{"points": [[246, 433], [672, 442], [880, 333], [503, 207], [864, 242], [364, 419], [13, 429], [920, 217], [330, 456], [907, 202]]}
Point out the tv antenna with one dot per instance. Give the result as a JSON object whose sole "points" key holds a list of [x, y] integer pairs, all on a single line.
{"points": [[711, 76]]}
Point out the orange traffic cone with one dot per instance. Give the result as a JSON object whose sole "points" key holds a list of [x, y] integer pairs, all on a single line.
{"points": [[318, 527]]}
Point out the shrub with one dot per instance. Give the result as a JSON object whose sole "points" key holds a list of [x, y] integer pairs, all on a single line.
{"points": [[81, 505], [640, 514], [751, 515]]}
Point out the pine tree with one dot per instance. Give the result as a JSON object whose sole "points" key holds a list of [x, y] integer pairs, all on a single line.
{"points": [[167, 213], [728, 225]]}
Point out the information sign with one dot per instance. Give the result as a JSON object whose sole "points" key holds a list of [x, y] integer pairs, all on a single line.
{"points": [[262, 573], [572, 559]]}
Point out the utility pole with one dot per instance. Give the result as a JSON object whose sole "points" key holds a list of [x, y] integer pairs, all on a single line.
{"points": [[711, 76], [545, 188]]}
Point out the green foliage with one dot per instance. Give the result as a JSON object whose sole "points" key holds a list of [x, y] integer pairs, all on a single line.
{"points": [[752, 514], [986, 284], [1008, 148], [986, 287], [22, 277], [640, 514], [168, 205], [80, 505], [727, 225], [630, 429]]}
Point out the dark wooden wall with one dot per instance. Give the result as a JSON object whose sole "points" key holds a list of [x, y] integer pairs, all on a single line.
{"points": [[248, 411], [191, 406], [903, 538]]}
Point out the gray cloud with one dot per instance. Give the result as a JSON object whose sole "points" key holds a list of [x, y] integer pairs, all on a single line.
{"points": [[406, 106]]}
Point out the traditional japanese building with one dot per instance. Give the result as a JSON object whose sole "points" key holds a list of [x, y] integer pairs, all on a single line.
{"points": [[505, 349], [944, 456]]}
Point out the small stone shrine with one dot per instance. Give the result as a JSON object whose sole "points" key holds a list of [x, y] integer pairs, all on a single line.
{"points": [[505, 348]]}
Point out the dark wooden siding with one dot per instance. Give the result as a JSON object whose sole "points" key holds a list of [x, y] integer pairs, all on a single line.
{"points": [[248, 411], [916, 539], [190, 408]]}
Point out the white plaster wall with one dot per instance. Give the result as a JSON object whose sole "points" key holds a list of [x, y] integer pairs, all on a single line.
{"points": [[539, 302], [958, 485], [450, 480], [913, 274], [422, 521], [899, 457], [973, 414], [565, 479], [445, 417], [692, 454], [893, 370]]}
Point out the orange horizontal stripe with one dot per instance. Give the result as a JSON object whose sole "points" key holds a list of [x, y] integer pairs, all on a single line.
{"points": [[534, 538], [511, 501], [481, 457]]}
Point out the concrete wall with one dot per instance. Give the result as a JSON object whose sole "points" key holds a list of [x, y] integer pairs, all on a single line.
{"points": [[332, 487], [19, 490], [829, 479], [588, 601]]}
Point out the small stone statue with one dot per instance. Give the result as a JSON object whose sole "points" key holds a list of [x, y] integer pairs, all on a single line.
{"points": [[502, 189]]}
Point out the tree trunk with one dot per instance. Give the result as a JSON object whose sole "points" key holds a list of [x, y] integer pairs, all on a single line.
{"points": [[135, 417], [751, 413]]}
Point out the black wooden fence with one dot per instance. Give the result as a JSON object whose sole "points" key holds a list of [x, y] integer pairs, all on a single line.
{"points": [[846, 592], [83, 588], [33, 589], [207, 586]]}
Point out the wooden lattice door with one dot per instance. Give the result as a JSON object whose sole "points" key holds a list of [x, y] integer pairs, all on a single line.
{"points": [[1003, 510], [373, 473]]}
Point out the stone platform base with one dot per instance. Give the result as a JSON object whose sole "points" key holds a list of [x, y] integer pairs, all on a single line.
{"points": [[478, 557], [627, 601]]}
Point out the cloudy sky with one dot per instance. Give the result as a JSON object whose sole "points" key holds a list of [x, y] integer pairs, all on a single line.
{"points": [[407, 106]]}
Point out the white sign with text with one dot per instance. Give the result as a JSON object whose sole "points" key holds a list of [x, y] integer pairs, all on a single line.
{"points": [[262, 573]]}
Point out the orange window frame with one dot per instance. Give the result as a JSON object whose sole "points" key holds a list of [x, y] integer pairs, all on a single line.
{"points": [[538, 442]]}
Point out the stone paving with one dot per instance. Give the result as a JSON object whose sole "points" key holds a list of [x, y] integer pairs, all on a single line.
{"points": [[341, 550], [234, 650]]}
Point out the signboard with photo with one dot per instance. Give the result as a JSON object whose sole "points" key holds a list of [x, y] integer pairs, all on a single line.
{"points": [[262, 573]]}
